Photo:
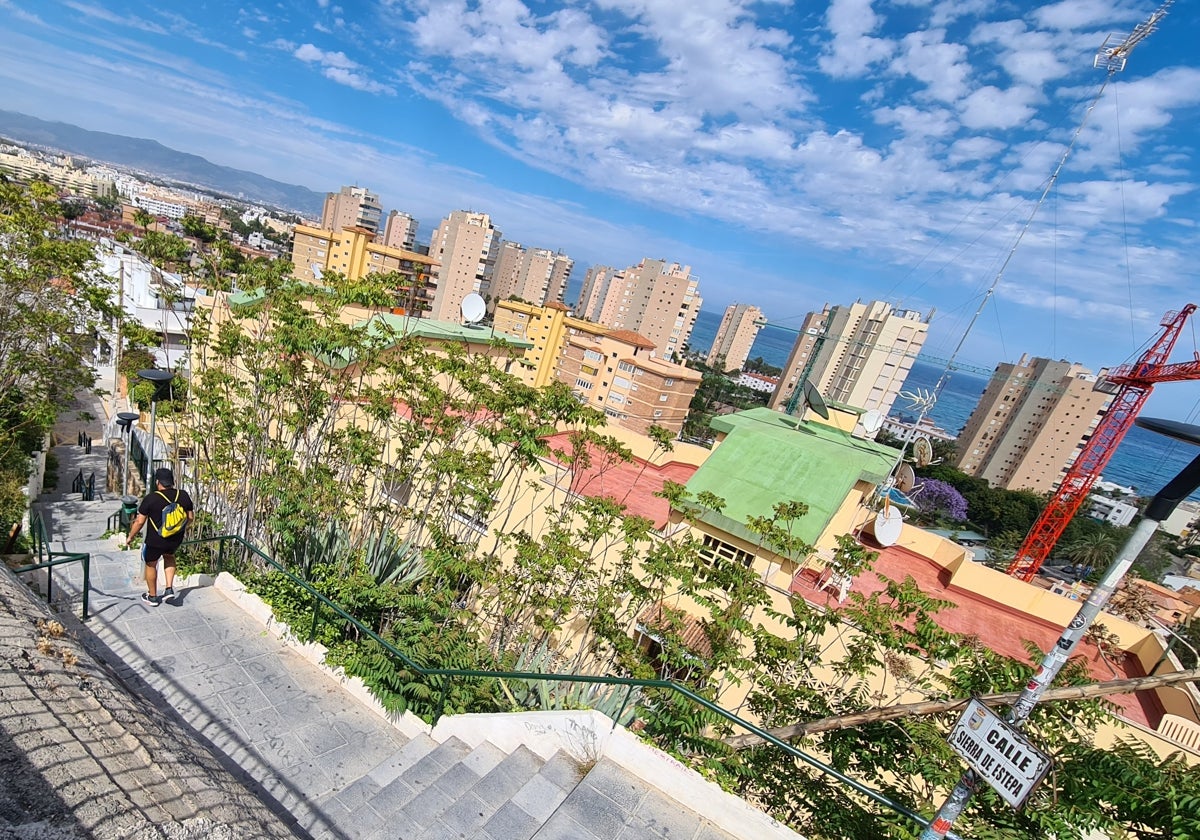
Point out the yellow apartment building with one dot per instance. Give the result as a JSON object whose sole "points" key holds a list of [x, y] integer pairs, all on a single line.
{"points": [[353, 253]]}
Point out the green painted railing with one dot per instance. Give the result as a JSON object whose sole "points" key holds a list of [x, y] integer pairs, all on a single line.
{"points": [[630, 683], [48, 559]]}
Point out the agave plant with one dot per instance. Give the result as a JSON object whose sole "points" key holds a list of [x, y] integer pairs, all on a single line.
{"points": [[330, 546], [393, 560], [617, 702]]}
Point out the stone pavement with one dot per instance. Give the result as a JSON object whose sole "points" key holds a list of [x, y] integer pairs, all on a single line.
{"points": [[313, 754]]}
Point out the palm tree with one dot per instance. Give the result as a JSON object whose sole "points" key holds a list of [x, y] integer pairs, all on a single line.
{"points": [[1091, 550], [143, 219]]}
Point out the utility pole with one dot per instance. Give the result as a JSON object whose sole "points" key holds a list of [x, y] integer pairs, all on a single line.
{"points": [[1160, 508]]}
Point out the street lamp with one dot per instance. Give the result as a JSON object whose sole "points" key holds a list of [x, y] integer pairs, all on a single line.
{"points": [[126, 419], [1160, 507], [159, 378]]}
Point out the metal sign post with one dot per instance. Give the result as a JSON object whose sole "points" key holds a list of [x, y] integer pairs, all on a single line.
{"points": [[998, 753], [1160, 507]]}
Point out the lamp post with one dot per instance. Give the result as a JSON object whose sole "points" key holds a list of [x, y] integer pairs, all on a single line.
{"points": [[126, 419], [1160, 507], [159, 378]]}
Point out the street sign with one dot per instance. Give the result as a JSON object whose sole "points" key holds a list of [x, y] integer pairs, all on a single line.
{"points": [[1001, 755]]}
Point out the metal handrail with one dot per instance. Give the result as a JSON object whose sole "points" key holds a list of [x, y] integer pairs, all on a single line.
{"points": [[40, 539], [630, 682]]}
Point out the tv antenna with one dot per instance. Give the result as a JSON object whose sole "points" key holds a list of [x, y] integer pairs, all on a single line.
{"points": [[814, 400], [872, 421], [473, 308], [1112, 56]]}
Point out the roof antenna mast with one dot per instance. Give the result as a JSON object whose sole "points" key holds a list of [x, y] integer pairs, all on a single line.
{"points": [[1110, 57]]}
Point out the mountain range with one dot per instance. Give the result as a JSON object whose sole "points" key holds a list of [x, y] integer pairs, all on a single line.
{"points": [[154, 158]]}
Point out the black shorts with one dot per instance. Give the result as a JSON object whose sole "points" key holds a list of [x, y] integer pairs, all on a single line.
{"points": [[151, 553]]}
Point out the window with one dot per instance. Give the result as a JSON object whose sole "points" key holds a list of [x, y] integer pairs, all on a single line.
{"points": [[667, 383], [589, 370], [662, 398], [713, 548], [592, 355], [394, 487], [658, 412], [621, 382], [627, 367], [616, 399], [584, 384]]}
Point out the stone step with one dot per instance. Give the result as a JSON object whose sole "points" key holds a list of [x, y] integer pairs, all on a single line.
{"points": [[512, 802], [365, 807]]}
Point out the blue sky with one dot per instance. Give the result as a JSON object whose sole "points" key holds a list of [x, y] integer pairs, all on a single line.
{"points": [[792, 153]]}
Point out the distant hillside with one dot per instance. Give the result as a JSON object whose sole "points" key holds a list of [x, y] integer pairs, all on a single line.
{"points": [[152, 157]]}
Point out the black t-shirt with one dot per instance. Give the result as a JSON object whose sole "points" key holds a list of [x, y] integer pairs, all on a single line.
{"points": [[152, 507]]}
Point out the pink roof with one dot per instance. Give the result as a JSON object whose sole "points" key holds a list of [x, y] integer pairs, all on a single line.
{"points": [[630, 483], [998, 626]]}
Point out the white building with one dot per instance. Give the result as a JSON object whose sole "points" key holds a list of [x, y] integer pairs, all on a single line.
{"points": [[1114, 511], [757, 382], [156, 299]]}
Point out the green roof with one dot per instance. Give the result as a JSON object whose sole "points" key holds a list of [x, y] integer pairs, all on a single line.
{"points": [[246, 297], [442, 330], [768, 457], [388, 325]]}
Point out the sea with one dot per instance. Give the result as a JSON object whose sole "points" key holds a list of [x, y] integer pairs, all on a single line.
{"points": [[1144, 461]]}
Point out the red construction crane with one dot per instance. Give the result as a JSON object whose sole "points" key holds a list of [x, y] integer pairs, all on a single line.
{"points": [[1134, 383]]}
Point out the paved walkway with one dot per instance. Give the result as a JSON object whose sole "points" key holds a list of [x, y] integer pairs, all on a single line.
{"points": [[288, 732]]}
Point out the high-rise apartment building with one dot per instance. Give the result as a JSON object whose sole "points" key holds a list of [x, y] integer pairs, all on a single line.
{"points": [[617, 372], [614, 371], [400, 231], [534, 275], [859, 354], [543, 326], [353, 253], [739, 327], [1030, 423], [655, 299], [594, 290], [352, 207], [465, 247]]}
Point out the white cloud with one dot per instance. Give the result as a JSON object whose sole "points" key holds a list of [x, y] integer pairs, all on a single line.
{"points": [[1081, 14], [338, 67], [1029, 57], [854, 48], [991, 107], [941, 66], [918, 122]]}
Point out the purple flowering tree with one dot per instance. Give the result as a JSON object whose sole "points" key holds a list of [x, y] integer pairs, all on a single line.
{"points": [[939, 499]]}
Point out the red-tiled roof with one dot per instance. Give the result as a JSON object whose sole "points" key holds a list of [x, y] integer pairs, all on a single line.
{"points": [[659, 618], [630, 337], [630, 483], [998, 626]]}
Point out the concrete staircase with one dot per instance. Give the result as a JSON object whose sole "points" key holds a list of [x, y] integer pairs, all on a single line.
{"points": [[320, 753]]}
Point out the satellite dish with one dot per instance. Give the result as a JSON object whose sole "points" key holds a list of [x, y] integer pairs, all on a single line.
{"points": [[922, 451], [473, 307], [814, 399], [888, 526], [905, 478], [872, 421]]}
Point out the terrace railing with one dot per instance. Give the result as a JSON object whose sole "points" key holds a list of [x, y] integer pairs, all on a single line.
{"points": [[440, 679]]}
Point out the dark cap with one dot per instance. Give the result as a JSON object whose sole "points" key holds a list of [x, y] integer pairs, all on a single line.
{"points": [[164, 477]]}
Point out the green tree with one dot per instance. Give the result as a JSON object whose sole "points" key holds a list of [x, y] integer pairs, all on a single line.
{"points": [[55, 301], [1095, 550], [197, 228], [143, 219]]}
